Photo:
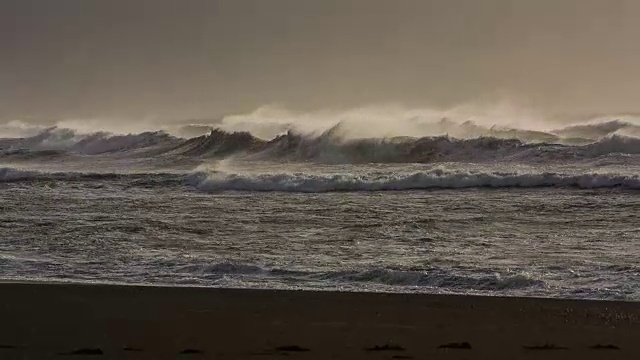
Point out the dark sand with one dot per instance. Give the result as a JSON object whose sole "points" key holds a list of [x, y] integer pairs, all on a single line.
{"points": [[41, 321]]}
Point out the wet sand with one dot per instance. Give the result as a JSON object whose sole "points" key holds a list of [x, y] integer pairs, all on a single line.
{"points": [[41, 321]]}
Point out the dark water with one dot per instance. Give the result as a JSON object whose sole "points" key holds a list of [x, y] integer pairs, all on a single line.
{"points": [[532, 242], [484, 215]]}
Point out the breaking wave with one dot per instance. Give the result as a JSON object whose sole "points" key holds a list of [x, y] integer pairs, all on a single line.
{"points": [[331, 146], [453, 142], [599, 130], [60, 139], [436, 179], [216, 181]]}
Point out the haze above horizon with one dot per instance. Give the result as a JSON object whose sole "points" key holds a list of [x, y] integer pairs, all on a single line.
{"points": [[182, 59]]}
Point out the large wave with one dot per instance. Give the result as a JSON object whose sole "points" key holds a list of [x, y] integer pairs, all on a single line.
{"points": [[217, 181], [465, 142], [330, 147], [435, 179], [61, 139]]}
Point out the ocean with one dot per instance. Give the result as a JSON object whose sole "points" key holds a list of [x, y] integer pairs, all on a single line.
{"points": [[505, 212]]}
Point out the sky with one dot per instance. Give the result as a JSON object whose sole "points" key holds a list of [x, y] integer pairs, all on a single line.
{"points": [[197, 58]]}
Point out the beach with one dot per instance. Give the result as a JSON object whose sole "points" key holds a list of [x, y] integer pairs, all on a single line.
{"points": [[354, 179], [56, 320]]}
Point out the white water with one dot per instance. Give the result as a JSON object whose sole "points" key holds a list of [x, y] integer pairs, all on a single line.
{"points": [[461, 207]]}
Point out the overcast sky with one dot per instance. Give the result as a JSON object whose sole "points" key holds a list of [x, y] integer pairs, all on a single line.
{"points": [[192, 58]]}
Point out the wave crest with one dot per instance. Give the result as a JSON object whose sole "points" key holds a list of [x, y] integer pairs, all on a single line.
{"points": [[436, 179], [334, 146], [320, 183], [330, 147], [62, 139]]}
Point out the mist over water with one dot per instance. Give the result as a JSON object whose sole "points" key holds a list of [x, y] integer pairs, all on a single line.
{"points": [[273, 149], [379, 198], [374, 121], [431, 146]]}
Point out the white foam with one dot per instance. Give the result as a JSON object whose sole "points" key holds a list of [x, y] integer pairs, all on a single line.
{"points": [[435, 179]]}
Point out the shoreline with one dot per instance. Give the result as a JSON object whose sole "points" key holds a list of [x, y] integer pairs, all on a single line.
{"points": [[45, 320], [336, 291]]}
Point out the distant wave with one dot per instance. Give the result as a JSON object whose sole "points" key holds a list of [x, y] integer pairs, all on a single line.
{"points": [[599, 130], [331, 146], [436, 179], [60, 139], [216, 181]]}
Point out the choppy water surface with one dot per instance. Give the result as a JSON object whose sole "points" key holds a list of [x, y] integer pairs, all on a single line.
{"points": [[568, 226]]}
